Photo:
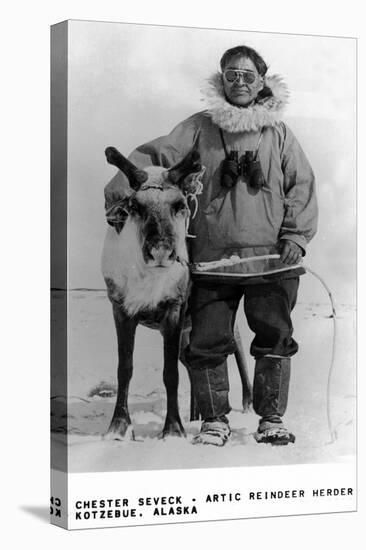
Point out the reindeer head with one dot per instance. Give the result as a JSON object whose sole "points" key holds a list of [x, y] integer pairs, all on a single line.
{"points": [[158, 207]]}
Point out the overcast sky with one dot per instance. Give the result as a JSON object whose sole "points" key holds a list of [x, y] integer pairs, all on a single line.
{"points": [[131, 83]]}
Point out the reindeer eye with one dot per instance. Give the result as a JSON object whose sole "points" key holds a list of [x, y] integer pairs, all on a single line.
{"points": [[178, 206], [135, 208]]}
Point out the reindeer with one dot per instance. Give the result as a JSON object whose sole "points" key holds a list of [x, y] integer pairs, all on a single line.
{"points": [[146, 270]]}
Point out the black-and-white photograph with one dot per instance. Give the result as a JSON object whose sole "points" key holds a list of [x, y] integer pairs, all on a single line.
{"points": [[211, 245]]}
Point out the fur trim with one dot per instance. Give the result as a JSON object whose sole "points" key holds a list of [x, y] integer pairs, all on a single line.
{"points": [[266, 111]]}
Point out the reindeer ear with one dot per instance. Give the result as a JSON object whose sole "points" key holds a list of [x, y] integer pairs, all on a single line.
{"points": [[136, 177], [190, 164], [116, 214]]}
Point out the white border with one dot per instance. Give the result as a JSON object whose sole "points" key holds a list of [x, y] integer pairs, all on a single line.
{"points": [[160, 497], [25, 84]]}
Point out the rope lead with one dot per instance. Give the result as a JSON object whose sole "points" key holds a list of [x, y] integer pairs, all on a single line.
{"points": [[332, 430]]}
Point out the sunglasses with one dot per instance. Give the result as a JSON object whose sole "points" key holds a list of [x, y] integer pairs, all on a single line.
{"points": [[233, 75]]}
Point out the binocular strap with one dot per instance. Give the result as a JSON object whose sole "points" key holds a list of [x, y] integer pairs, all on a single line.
{"points": [[226, 149]]}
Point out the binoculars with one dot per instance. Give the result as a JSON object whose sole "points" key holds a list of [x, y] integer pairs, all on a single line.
{"points": [[248, 167]]}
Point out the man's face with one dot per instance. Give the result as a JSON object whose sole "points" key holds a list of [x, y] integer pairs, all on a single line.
{"points": [[241, 91]]}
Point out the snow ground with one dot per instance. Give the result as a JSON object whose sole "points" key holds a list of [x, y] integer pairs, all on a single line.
{"points": [[93, 359]]}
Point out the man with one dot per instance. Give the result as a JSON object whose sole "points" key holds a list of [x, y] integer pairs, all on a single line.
{"points": [[258, 198]]}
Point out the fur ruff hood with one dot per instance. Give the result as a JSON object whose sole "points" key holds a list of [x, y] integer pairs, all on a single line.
{"points": [[266, 111]]}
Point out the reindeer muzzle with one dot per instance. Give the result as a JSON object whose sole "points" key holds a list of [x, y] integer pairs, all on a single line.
{"points": [[159, 256]]}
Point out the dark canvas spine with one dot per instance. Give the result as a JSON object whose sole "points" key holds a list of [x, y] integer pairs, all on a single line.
{"points": [[59, 269]]}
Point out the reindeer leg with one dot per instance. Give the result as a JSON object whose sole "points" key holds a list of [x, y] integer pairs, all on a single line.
{"points": [[184, 342], [194, 412], [120, 426], [173, 424], [243, 371]]}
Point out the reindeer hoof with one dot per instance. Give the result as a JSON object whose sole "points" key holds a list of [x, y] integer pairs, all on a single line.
{"points": [[247, 404], [119, 431], [174, 429]]}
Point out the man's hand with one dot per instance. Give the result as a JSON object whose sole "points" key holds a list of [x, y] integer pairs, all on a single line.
{"points": [[291, 253]]}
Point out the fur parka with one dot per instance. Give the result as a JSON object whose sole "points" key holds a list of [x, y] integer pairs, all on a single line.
{"points": [[242, 220]]}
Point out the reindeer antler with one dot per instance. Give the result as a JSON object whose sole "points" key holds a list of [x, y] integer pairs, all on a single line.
{"points": [[191, 163], [136, 176]]}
